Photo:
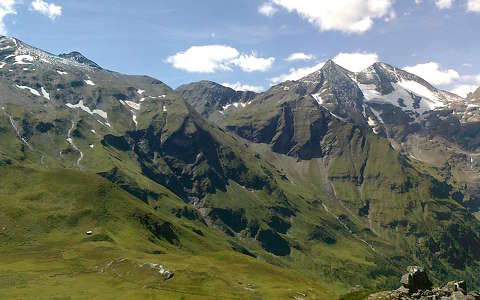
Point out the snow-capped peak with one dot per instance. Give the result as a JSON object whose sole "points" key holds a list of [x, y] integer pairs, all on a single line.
{"points": [[15, 52]]}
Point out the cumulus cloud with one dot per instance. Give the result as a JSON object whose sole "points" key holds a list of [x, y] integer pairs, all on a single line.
{"points": [[6, 8], [267, 9], [296, 74], [473, 6], [213, 58], [252, 63], [464, 89], [444, 4], [447, 79], [465, 85], [204, 59], [48, 9], [300, 56], [244, 87], [351, 16], [432, 73], [356, 61]]}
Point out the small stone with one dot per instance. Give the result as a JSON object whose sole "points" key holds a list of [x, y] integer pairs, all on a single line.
{"points": [[473, 296], [402, 290], [458, 296], [167, 275], [461, 286]]}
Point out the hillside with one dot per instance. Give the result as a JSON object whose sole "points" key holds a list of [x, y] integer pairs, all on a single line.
{"points": [[305, 189]]}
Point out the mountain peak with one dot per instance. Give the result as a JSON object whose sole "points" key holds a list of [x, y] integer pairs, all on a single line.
{"points": [[80, 58], [329, 63], [475, 95]]}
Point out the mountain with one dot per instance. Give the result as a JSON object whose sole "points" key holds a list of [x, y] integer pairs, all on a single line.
{"points": [[343, 119], [212, 100], [78, 57], [114, 180], [475, 95]]}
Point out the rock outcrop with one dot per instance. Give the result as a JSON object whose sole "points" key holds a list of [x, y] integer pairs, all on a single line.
{"points": [[417, 285]]}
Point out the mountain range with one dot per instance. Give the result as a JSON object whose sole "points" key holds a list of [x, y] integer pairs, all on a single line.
{"points": [[311, 190]]}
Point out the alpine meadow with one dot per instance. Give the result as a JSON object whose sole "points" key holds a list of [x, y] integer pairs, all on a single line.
{"points": [[276, 149]]}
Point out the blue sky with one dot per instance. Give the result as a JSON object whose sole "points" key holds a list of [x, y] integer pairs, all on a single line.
{"points": [[248, 42]]}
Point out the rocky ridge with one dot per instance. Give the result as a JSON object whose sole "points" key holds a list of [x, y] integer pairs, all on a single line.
{"points": [[417, 285]]}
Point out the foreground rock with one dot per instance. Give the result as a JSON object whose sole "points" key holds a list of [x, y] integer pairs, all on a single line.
{"points": [[417, 285]]}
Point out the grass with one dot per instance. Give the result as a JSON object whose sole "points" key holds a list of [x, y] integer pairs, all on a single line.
{"points": [[46, 254]]}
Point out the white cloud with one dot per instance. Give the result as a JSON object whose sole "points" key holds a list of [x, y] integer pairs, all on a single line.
{"points": [[6, 8], [296, 74], [351, 16], [300, 56], [267, 9], [204, 59], [356, 62], [432, 73], [473, 6], [251, 63], [444, 4], [48, 9], [212, 58], [447, 79], [464, 89], [244, 87]]}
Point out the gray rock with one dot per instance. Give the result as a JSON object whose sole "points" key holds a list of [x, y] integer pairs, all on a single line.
{"points": [[416, 280], [473, 296], [458, 296], [416, 285], [168, 275]]}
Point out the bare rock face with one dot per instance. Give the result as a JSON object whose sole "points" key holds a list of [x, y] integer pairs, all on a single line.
{"points": [[417, 285], [416, 279]]}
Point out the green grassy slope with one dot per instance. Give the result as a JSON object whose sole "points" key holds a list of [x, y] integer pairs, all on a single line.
{"points": [[45, 253]]}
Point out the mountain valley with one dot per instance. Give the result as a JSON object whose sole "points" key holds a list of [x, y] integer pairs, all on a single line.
{"points": [[314, 189]]}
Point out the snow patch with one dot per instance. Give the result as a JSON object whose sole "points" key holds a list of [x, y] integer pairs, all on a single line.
{"points": [[89, 82], [140, 92], [23, 59], [80, 105], [45, 94], [318, 98], [470, 106], [134, 118], [62, 72], [136, 106], [422, 91], [33, 91], [402, 97], [372, 123], [236, 105]]}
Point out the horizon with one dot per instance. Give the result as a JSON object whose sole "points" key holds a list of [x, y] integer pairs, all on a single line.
{"points": [[255, 44], [318, 67]]}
